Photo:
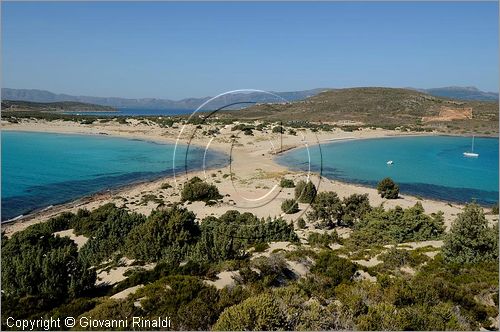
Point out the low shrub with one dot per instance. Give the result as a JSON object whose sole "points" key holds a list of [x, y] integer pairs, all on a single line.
{"points": [[305, 192], [334, 268], [301, 223], [278, 129], [289, 206], [197, 190], [323, 239], [165, 185], [387, 188], [287, 183], [326, 208]]}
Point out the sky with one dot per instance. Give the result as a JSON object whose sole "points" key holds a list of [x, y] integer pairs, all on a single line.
{"points": [[177, 50]]}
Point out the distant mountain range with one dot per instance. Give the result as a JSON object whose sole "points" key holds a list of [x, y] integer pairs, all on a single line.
{"points": [[58, 106], [42, 96], [460, 92]]}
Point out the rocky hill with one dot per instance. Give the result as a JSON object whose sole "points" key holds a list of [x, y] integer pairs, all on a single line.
{"points": [[383, 107]]}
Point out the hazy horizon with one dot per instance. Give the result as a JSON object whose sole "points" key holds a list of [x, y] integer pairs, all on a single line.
{"points": [[202, 97]]}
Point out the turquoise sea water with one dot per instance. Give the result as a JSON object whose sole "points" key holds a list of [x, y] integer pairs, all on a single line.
{"points": [[431, 167], [42, 169]]}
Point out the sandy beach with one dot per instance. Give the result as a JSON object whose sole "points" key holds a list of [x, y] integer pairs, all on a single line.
{"points": [[250, 183]]}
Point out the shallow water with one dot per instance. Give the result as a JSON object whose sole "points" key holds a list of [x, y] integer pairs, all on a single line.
{"points": [[42, 169], [431, 167]]}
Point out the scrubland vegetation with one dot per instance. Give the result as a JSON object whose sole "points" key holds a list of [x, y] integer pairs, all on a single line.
{"points": [[426, 288]]}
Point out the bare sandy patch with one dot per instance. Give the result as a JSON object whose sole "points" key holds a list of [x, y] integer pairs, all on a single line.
{"points": [[373, 261], [224, 279], [416, 245], [363, 275], [116, 274], [126, 292], [80, 240], [408, 270], [275, 247], [450, 114], [300, 269]]}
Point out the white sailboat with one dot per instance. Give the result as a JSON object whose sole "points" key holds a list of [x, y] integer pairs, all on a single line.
{"points": [[471, 154]]}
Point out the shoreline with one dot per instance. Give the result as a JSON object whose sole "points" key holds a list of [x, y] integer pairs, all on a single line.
{"points": [[115, 189], [98, 194], [252, 146]]}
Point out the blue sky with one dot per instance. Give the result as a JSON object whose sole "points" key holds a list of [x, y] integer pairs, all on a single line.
{"points": [[177, 50]]}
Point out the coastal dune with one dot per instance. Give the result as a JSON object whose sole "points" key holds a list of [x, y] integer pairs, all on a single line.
{"points": [[250, 183]]}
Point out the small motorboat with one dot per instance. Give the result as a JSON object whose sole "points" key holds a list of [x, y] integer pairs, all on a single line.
{"points": [[390, 162]]}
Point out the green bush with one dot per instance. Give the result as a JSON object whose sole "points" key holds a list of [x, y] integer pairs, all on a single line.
{"points": [[150, 198], [248, 132], [165, 234], [287, 183], [305, 192], [470, 239], [108, 238], [258, 313], [379, 226], [334, 268], [74, 308], [273, 271], [354, 207], [289, 206], [189, 303], [301, 223], [494, 208], [323, 239], [62, 222], [260, 127], [326, 208], [40, 265], [380, 317], [278, 129], [165, 185], [229, 236], [395, 258], [197, 190], [388, 189], [242, 127], [89, 222]]}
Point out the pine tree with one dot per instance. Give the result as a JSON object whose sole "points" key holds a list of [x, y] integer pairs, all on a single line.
{"points": [[470, 239]]}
